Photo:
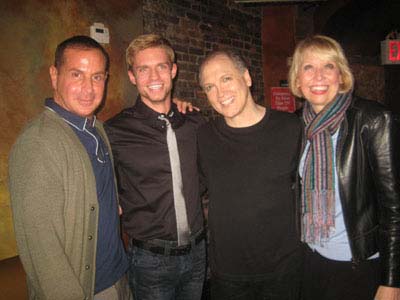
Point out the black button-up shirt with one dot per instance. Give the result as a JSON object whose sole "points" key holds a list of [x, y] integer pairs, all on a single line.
{"points": [[139, 143]]}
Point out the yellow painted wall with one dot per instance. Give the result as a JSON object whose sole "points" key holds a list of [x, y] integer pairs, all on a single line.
{"points": [[30, 31]]}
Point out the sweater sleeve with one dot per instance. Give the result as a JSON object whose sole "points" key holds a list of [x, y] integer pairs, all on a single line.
{"points": [[37, 198]]}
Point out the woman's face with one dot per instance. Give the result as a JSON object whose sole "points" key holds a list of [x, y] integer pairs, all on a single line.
{"points": [[318, 79]]}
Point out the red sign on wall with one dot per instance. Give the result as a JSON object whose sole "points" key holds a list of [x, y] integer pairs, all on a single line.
{"points": [[390, 52], [282, 99], [394, 50]]}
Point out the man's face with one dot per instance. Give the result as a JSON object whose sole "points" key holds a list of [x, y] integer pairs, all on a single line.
{"points": [[152, 73], [227, 89], [79, 82]]}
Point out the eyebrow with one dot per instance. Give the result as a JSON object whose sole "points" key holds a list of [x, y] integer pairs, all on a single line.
{"points": [[146, 65], [80, 71]]}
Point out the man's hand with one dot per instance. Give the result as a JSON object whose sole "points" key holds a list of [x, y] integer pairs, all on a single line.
{"points": [[184, 106], [387, 293]]}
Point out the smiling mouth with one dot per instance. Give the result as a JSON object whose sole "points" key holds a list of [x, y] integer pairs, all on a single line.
{"points": [[155, 87], [318, 89], [227, 101]]}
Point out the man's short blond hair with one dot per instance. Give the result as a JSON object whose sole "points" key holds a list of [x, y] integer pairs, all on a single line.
{"points": [[145, 41], [323, 47]]}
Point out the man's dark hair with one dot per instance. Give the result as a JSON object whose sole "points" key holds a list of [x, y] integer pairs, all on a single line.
{"points": [[79, 42], [231, 54]]}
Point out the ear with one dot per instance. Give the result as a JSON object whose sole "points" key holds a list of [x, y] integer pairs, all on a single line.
{"points": [[53, 76], [174, 70], [297, 83], [298, 87], [247, 78], [132, 77]]}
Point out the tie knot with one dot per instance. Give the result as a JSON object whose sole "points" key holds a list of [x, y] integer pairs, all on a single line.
{"points": [[164, 118]]}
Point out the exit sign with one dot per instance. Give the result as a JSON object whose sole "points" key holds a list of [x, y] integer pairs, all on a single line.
{"points": [[390, 52]]}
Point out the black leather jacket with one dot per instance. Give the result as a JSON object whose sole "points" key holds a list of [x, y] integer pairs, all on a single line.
{"points": [[368, 168]]}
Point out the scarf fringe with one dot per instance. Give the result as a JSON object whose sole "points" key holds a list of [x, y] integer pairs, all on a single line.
{"points": [[318, 216]]}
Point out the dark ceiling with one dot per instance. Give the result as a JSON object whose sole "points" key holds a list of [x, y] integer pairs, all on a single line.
{"points": [[360, 25]]}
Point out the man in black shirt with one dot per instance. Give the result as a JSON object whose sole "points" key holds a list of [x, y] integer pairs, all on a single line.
{"points": [[155, 152], [248, 159]]}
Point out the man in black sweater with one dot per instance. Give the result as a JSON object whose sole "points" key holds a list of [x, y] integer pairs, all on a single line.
{"points": [[248, 159]]}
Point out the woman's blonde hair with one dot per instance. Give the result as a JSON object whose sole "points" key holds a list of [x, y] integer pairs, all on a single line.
{"points": [[145, 41], [326, 48]]}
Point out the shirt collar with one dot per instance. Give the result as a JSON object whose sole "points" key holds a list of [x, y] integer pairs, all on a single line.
{"points": [[78, 122], [174, 116]]}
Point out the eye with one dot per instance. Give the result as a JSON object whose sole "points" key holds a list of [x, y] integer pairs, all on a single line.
{"points": [[207, 88], [99, 77], [307, 67], [226, 78], [142, 70], [76, 74], [329, 66], [163, 67]]}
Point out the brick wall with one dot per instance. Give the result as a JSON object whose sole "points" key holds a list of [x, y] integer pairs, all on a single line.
{"points": [[196, 27]]}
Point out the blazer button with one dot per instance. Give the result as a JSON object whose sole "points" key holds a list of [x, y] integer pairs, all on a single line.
{"points": [[90, 237], [92, 208], [87, 267]]}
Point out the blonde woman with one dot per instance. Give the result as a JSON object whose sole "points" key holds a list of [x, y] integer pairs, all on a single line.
{"points": [[350, 183]]}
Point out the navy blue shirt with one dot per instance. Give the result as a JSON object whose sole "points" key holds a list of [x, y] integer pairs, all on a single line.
{"points": [[111, 260]]}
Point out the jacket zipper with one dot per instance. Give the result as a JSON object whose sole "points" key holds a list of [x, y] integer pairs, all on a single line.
{"points": [[343, 131]]}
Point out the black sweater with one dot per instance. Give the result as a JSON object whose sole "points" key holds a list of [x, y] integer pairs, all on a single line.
{"points": [[250, 175]]}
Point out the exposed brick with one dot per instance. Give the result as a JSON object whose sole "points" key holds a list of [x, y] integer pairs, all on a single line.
{"points": [[181, 56], [237, 44], [183, 3], [195, 27], [197, 51], [185, 94], [181, 48], [189, 76], [193, 16]]}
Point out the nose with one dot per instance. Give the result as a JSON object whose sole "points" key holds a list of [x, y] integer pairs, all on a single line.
{"points": [[319, 73], [154, 73], [220, 91], [87, 84]]}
